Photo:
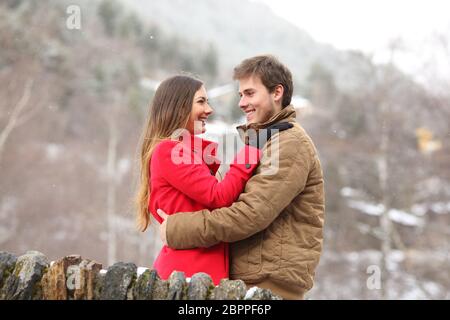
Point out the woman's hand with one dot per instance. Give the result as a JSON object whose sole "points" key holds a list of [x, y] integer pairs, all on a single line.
{"points": [[162, 227]]}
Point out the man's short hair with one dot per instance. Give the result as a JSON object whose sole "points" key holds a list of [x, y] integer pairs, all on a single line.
{"points": [[271, 72]]}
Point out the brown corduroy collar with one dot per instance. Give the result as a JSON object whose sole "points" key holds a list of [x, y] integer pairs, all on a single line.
{"points": [[287, 113]]}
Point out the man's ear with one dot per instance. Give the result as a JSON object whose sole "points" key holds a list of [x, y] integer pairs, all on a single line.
{"points": [[278, 93]]}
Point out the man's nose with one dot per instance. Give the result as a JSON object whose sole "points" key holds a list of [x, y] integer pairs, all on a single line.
{"points": [[243, 102]]}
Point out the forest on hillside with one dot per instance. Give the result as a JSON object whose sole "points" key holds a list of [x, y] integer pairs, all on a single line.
{"points": [[73, 104]]}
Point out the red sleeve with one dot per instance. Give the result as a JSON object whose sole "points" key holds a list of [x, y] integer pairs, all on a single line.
{"points": [[194, 178]]}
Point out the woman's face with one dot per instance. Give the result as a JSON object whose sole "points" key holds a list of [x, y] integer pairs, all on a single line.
{"points": [[200, 112]]}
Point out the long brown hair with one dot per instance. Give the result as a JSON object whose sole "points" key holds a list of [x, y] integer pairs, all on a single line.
{"points": [[169, 111]]}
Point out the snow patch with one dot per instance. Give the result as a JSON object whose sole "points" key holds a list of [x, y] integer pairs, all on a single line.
{"points": [[399, 216], [367, 208], [440, 207], [141, 270], [350, 192], [250, 293], [404, 218]]}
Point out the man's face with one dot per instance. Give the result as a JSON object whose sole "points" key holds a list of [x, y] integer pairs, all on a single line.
{"points": [[256, 101]]}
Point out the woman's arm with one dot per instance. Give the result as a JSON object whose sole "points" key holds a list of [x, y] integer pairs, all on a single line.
{"points": [[195, 179]]}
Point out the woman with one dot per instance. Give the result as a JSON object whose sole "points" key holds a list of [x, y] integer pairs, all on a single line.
{"points": [[178, 172]]}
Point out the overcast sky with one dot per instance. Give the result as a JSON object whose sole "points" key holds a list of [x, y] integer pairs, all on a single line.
{"points": [[369, 25], [364, 24]]}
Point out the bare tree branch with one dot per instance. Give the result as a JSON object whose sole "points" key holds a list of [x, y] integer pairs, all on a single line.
{"points": [[13, 120]]}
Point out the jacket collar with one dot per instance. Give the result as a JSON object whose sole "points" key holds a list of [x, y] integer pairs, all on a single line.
{"points": [[286, 114]]}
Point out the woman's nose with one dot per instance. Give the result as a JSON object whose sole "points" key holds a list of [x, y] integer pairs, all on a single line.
{"points": [[209, 109]]}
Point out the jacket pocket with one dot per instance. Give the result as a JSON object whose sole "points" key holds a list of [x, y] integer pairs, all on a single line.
{"points": [[254, 253], [246, 255]]}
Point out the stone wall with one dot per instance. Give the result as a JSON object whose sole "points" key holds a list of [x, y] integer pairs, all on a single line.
{"points": [[31, 276]]}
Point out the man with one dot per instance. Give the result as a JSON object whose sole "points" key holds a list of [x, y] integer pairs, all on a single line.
{"points": [[275, 228]]}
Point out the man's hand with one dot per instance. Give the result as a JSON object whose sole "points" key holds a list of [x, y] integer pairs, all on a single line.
{"points": [[163, 226]]}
